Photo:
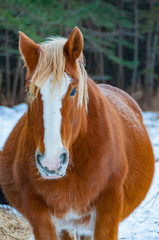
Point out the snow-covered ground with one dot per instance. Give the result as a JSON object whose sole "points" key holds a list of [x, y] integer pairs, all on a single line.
{"points": [[143, 223], [8, 119]]}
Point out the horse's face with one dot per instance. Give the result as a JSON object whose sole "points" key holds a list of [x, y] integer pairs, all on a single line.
{"points": [[57, 126], [56, 121]]}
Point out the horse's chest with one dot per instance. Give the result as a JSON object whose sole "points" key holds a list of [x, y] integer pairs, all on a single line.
{"points": [[81, 224]]}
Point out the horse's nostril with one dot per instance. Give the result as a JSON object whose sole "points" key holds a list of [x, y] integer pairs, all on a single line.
{"points": [[63, 158], [38, 157]]}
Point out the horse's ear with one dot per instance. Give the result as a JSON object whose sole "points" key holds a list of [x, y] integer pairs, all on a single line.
{"points": [[29, 51], [74, 45]]}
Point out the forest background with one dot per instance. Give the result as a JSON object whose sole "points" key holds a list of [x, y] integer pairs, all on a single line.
{"points": [[121, 42]]}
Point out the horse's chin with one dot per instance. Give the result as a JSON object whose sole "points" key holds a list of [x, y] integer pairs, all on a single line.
{"points": [[52, 177], [46, 175]]}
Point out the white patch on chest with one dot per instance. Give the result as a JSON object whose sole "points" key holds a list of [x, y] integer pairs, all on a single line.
{"points": [[72, 222], [52, 103]]}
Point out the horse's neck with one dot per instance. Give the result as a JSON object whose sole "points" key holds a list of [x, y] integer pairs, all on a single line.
{"points": [[97, 116], [28, 135], [97, 123]]}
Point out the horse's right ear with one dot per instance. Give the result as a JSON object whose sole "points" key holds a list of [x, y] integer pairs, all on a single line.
{"points": [[74, 45], [29, 51]]}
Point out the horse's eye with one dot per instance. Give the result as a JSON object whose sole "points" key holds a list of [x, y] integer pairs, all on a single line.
{"points": [[73, 92]]}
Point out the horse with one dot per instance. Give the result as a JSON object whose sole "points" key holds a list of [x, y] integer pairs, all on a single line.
{"points": [[79, 161]]}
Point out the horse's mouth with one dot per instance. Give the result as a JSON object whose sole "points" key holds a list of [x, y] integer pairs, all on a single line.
{"points": [[50, 174]]}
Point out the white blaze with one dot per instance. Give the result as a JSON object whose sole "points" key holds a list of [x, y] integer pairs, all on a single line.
{"points": [[52, 103]]}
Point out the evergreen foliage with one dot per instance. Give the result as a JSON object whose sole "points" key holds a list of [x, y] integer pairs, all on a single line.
{"points": [[121, 39]]}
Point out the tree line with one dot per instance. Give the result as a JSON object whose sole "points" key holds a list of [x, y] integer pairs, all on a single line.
{"points": [[121, 42]]}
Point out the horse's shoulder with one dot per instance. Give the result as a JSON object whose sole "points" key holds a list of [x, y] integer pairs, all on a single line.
{"points": [[117, 96], [20, 124]]}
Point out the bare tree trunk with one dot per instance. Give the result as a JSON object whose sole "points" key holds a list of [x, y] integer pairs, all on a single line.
{"points": [[148, 68], [153, 58], [120, 72], [15, 83], [99, 59], [7, 66], [120, 76], [0, 87], [136, 46], [101, 63], [22, 86], [150, 61]]}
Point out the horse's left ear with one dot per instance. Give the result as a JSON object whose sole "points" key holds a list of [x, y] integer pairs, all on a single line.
{"points": [[30, 52], [74, 45]]}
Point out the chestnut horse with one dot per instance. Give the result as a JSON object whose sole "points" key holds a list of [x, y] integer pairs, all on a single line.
{"points": [[79, 160]]}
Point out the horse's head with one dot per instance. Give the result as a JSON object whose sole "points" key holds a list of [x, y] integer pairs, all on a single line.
{"points": [[57, 83]]}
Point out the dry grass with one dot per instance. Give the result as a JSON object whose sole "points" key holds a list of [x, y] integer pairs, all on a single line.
{"points": [[13, 227]]}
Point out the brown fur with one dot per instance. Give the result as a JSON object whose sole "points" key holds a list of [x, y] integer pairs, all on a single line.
{"points": [[112, 159]]}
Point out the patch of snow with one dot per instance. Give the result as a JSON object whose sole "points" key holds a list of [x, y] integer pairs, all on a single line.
{"points": [[32, 238], [7, 207], [8, 118], [151, 121]]}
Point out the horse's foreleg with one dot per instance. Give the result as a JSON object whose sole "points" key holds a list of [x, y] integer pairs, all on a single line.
{"points": [[44, 230], [108, 213], [38, 216]]}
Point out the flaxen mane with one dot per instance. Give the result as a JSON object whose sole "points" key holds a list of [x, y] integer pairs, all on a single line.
{"points": [[52, 61]]}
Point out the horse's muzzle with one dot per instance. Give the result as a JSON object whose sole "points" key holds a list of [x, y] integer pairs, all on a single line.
{"points": [[52, 167]]}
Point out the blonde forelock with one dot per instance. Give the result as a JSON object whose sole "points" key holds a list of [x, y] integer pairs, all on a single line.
{"points": [[52, 61]]}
